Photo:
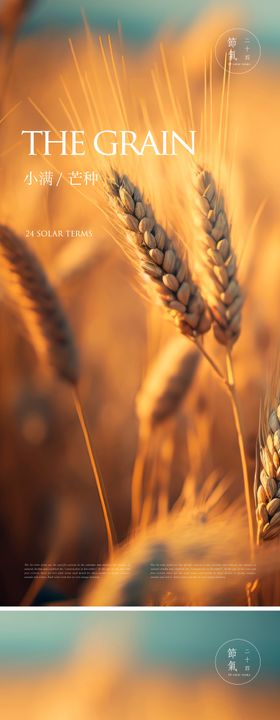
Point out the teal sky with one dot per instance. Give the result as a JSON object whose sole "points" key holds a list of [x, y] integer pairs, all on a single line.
{"points": [[142, 18], [176, 640]]}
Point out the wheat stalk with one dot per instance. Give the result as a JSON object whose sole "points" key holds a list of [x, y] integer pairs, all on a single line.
{"points": [[221, 287], [44, 318], [160, 259]]}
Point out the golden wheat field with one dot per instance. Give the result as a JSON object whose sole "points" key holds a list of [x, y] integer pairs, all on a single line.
{"points": [[140, 420]]}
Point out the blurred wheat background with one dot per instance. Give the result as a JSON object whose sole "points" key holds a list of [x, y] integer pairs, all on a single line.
{"points": [[190, 466], [115, 665]]}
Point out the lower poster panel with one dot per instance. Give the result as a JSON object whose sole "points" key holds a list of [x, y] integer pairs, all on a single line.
{"points": [[132, 665]]}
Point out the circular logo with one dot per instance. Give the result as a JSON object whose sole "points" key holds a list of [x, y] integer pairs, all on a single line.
{"points": [[237, 661], [238, 51]]}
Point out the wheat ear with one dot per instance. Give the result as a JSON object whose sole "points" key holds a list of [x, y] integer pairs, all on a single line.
{"points": [[44, 318], [222, 290], [267, 480], [38, 304], [223, 295], [172, 542], [164, 388], [167, 383], [160, 258]]}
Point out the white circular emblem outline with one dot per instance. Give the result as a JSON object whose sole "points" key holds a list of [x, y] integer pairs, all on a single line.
{"points": [[243, 72], [248, 643]]}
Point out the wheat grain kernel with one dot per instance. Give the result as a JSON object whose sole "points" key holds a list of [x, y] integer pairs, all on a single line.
{"points": [[152, 269], [269, 442], [212, 217], [230, 293], [206, 225], [156, 255], [276, 440], [175, 305], [265, 530], [235, 324], [275, 520], [215, 257], [127, 200], [128, 185], [273, 506], [234, 307], [160, 237], [183, 294], [210, 192], [181, 273], [230, 265], [130, 222], [273, 422], [276, 461], [219, 316], [149, 239], [223, 247], [263, 512], [220, 227], [139, 210], [171, 282], [169, 261], [261, 495], [192, 319], [221, 275], [137, 195], [209, 242], [203, 205], [146, 224]]}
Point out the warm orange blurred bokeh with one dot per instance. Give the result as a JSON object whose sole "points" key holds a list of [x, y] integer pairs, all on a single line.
{"points": [[44, 468]]}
